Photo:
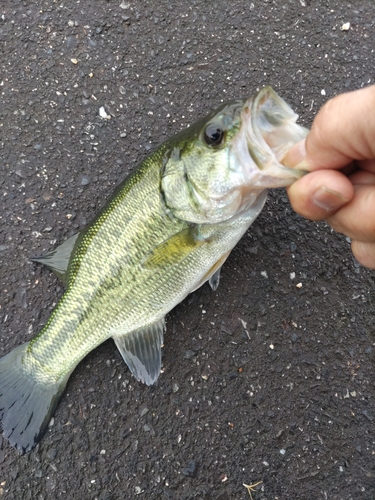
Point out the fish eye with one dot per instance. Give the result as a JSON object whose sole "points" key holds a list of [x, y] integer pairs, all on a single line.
{"points": [[214, 134]]}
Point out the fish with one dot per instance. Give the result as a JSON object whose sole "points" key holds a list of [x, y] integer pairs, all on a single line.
{"points": [[166, 230]]}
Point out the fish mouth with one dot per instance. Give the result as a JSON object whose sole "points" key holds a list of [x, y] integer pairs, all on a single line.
{"points": [[268, 131]]}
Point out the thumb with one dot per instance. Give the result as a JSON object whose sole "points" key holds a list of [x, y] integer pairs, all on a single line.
{"points": [[342, 131]]}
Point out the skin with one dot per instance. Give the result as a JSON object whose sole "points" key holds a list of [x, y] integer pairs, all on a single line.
{"points": [[339, 153]]}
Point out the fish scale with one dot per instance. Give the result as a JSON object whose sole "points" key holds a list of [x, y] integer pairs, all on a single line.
{"points": [[168, 228]]}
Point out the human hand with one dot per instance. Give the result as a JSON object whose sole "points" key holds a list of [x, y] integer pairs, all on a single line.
{"points": [[339, 153]]}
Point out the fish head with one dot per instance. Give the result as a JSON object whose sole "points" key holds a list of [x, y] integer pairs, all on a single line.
{"points": [[218, 167]]}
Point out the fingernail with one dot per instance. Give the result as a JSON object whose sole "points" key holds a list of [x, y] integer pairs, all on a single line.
{"points": [[296, 155], [327, 199]]}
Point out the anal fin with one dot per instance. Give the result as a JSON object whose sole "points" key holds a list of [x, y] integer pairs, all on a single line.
{"points": [[141, 351]]}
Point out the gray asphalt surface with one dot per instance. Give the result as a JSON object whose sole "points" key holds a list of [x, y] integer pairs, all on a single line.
{"points": [[263, 381]]}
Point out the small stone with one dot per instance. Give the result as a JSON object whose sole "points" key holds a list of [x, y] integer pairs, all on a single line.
{"points": [[71, 42], [20, 297], [52, 453], [191, 469], [282, 451], [367, 415], [144, 412], [357, 265], [14, 473], [189, 354], [345, 27], [103, 113], [21, 173], [294, 337], [175, 388], [84, 181]]}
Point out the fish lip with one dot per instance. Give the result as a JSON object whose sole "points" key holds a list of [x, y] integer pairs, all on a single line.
{"points": [[269, 130]]}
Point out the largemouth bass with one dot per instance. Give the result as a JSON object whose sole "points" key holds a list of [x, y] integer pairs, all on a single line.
{"points": [[167, 229]]}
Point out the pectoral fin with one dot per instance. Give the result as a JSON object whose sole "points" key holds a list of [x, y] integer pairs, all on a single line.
{"points": [[58, 259], [174, 249], [215, 279], [213, 274], [141, 351]]}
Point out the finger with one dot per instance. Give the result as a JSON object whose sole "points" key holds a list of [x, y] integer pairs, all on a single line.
{"points": [[349, 169], [320, 194], [364, 253], [339, 133], [367, 165], [362, 177], [356, 219]]}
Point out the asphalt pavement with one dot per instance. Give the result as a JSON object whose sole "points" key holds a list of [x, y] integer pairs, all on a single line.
{"points": [[269, 380]]}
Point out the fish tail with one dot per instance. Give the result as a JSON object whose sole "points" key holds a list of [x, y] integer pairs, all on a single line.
{"points": [[26, 404]]}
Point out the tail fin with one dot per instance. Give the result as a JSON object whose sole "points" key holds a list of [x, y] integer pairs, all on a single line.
{"points": [[26, 405]]}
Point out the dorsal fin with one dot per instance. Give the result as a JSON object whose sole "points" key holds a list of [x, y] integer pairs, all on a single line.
{"points": [[58, 259], [141, 351]]}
